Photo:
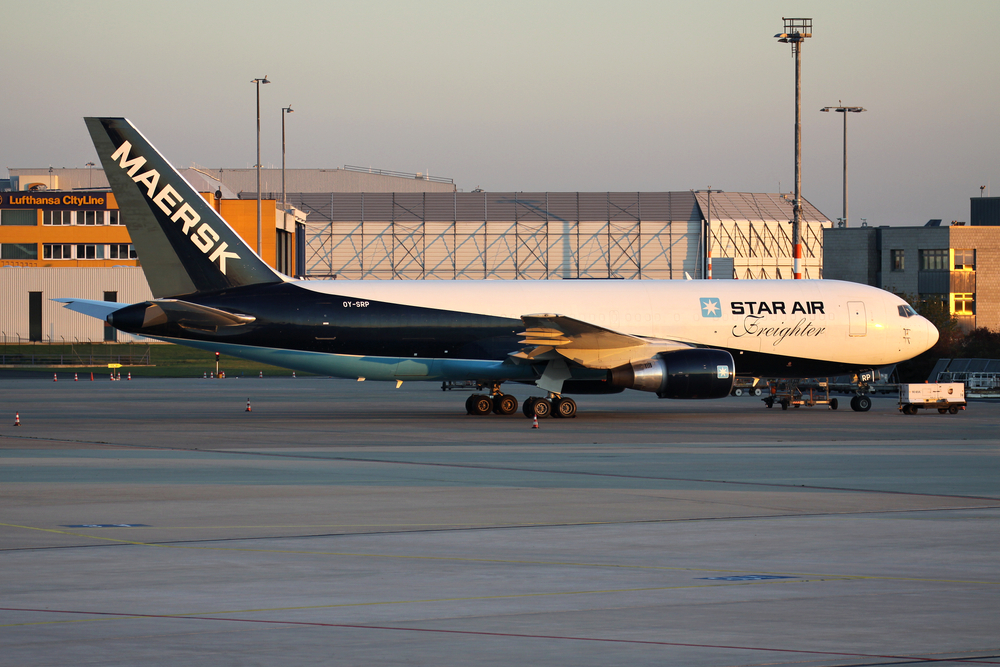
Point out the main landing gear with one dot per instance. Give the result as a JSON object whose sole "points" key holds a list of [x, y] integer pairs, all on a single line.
{"points": [[535, 406], [554, 405]]}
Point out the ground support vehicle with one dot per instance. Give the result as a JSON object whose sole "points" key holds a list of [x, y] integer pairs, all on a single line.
{"points": [[748, 387], [788, 393], [943, 396]]}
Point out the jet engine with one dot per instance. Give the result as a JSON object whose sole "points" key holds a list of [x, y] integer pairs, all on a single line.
{"points": [[694, 373]]}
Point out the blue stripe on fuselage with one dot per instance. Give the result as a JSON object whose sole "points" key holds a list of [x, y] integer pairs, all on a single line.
{"points": [[369, 367]]}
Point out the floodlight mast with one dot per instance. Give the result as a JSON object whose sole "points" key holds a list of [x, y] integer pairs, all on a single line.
{"points": [[796, 32], [845, 110]]}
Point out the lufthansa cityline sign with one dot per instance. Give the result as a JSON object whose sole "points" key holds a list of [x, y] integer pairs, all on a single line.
{"points": [[51, 201]]}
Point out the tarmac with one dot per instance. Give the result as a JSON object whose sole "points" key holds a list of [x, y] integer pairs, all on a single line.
{"points": [[157, 522]]}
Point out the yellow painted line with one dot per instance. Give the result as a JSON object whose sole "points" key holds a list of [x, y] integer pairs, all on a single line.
{"points": [[464, 559]]}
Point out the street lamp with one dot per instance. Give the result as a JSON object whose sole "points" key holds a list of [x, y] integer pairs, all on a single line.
{"points": [[259, 235], [796, 32], [284, 112], [844, 110], [90, 170]]}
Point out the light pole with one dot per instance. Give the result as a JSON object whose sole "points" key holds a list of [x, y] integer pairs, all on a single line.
{"points": [[796, 32], [259, 235], [708, 232], [90, 171], [284, 112], [844, 110]]}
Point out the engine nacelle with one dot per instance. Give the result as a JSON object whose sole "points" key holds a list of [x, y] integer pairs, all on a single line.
{"points": [[694, 373]]}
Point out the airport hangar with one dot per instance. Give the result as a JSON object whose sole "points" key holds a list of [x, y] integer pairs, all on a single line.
{"points": [[355, 223]]}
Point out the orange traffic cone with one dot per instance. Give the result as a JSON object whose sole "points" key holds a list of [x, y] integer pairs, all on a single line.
{"points": [[55, 378], [262, 374], [130, 376], [17, 419], [75, 378], [248, 406], [534, 422], [91, 376]]}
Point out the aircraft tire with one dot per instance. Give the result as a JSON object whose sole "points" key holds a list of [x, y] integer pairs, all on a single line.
{"points": [[541, 408], [564, 407], [864, 404], [527, 408], [483, 405], [504, 405], [469, 404]]}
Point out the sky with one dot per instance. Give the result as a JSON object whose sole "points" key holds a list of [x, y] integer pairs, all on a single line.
{"points": [[532, 96]]}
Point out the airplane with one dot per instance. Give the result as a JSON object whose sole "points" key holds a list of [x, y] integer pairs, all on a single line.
{"points": [[679, 339]]}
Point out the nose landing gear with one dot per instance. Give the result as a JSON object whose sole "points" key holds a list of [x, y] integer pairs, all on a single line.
{"points": [[861, 403]]}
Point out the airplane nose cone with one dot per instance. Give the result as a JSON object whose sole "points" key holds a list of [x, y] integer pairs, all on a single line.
{"points": [[931, 332]]}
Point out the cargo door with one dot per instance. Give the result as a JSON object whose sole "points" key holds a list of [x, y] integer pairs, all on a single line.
{"points": [[857, 318]]}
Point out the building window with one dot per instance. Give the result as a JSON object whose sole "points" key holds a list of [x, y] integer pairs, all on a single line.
{"points": [[965, 304], [23, 217], [934, 260], [18, 251], [121, 251], [934, 303], [898, 257], [57, 218], [87, 218], [57, 251], [90, 251], [965, 260], [113, 218]]}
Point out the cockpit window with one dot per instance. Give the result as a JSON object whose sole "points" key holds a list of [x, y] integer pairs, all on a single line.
{"points": [[906, 311]]}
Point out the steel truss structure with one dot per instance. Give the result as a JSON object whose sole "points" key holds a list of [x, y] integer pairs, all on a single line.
{"points": [[549, 235]]}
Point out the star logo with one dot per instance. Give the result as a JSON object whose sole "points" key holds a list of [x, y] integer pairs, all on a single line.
{"points": [[711, 307]]}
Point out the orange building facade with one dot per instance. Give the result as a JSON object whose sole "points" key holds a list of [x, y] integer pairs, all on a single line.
{"points": [[63, 229]]}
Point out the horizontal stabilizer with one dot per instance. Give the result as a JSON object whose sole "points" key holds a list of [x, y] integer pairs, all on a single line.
{"points": [[184, 314], [98, 309]]}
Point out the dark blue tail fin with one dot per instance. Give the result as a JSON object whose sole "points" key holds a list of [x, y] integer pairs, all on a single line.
{"points": [[184, 246]]}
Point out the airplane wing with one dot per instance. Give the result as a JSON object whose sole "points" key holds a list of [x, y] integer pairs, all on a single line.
{"points": [[551, 337]]}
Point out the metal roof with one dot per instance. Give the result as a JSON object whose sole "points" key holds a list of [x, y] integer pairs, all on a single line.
{"points": [[623, 207], [756, 206]]}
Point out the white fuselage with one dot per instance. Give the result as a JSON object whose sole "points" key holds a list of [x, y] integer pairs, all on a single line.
{"points": [[811, 319]]}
